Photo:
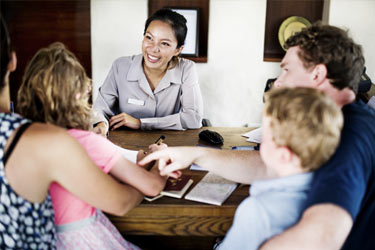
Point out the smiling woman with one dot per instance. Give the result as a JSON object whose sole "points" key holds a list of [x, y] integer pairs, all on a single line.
{"points": [[156, 89]]}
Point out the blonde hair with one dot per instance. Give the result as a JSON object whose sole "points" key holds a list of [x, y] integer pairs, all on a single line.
{"points": [[55, 89], [306, 121]]}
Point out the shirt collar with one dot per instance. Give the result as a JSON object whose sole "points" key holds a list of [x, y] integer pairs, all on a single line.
{"points": [[296, 182], [173, 76], [135, 72]]}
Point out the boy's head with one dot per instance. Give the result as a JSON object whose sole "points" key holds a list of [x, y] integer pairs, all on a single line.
{"points": [[322, 45], [55, 89], [302, 123]]}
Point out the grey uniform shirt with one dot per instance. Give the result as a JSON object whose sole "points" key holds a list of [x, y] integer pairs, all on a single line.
{"points": [[175, 104]]}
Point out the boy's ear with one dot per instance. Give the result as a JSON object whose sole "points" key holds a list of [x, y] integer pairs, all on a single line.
{"points": [[319, 74], [285, 154], [12, 65]]}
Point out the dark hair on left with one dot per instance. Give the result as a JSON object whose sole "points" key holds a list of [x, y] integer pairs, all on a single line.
{"points": [[5, 51], [176, 20]]}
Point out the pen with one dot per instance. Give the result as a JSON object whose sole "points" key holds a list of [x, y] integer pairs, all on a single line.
{"points": [[160, 140]]}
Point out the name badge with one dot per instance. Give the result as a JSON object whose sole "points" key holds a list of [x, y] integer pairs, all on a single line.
{"points": [[136, 102]]}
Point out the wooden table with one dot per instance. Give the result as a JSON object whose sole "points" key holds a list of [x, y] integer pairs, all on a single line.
{"points": [[179, 217]]}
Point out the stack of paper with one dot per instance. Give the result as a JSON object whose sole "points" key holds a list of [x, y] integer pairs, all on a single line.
{"points": [[254, 135], [212, 189]]}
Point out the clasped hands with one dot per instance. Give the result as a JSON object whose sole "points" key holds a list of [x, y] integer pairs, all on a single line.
{"points": [[154, 164], [170, 160], [117, 121]]}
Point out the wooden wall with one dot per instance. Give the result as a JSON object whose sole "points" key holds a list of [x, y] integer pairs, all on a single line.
{"points": [[34, 24], [277, 12]]}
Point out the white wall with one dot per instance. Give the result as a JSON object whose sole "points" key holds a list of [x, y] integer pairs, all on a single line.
{"points": [[233, 79], [116, 30]]}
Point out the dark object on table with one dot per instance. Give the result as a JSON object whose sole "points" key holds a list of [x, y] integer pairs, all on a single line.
{"points": [[365, 83], [211, 137]]}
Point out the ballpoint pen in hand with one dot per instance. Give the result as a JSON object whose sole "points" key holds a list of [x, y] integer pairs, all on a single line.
{"points": [[160, 140]]}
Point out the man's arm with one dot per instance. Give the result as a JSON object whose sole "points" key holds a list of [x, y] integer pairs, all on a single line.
{"points": [[238, 166], [323, 226]]}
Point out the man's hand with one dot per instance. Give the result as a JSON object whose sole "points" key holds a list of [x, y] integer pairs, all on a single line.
{"points": [[124, 119], [101, 129], [171, 160], [322, 226]]}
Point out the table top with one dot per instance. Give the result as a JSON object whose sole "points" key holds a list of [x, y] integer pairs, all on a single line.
{"points": [[141, 139], [171, 216]]}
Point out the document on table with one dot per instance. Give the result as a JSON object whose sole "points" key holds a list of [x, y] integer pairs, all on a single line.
{"points": [[175, 188], [196, 167], [254, 135], [212, 189]]}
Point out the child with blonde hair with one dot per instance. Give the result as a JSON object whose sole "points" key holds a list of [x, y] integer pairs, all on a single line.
{"points": [[55, 90], [302, 128]]}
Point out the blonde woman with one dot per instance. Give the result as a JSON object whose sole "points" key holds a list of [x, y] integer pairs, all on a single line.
{"points": [[32, 156], [55, 90]]}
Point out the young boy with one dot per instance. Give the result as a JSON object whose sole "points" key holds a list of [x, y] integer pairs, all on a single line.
{"points": [[302, 129]]}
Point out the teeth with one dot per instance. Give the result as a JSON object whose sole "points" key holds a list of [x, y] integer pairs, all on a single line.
{"points": [[153, 57]]}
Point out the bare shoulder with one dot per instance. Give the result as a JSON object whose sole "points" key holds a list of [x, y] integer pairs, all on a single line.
{"points": [[50, 142], [47, 133]]}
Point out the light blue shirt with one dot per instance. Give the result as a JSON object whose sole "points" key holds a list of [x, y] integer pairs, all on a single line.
{"points": [[272, 207]]}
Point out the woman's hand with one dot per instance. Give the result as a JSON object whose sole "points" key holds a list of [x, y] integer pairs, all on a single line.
{"points": [[152, 148], [101, 128], [124, 119], [155, 147], [141, 154]]}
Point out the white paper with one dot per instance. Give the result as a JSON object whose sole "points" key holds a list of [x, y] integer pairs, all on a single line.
{"points": [[196, 167], [131, 155], [212, 189], [254, 135]]}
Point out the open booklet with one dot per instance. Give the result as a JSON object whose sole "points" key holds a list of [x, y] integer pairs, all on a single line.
{"points": [[175, 188], [212, 189]]}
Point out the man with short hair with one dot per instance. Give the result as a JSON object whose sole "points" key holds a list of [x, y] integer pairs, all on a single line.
{"points": [[340, 209], [290, 117]]}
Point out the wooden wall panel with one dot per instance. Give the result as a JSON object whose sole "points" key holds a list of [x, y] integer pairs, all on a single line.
{"points": [[35, 23], [277, 12]]}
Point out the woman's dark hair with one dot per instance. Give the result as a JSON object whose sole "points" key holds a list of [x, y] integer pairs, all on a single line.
{"points": [[4, 52], [331, 46], [176, 20]]}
